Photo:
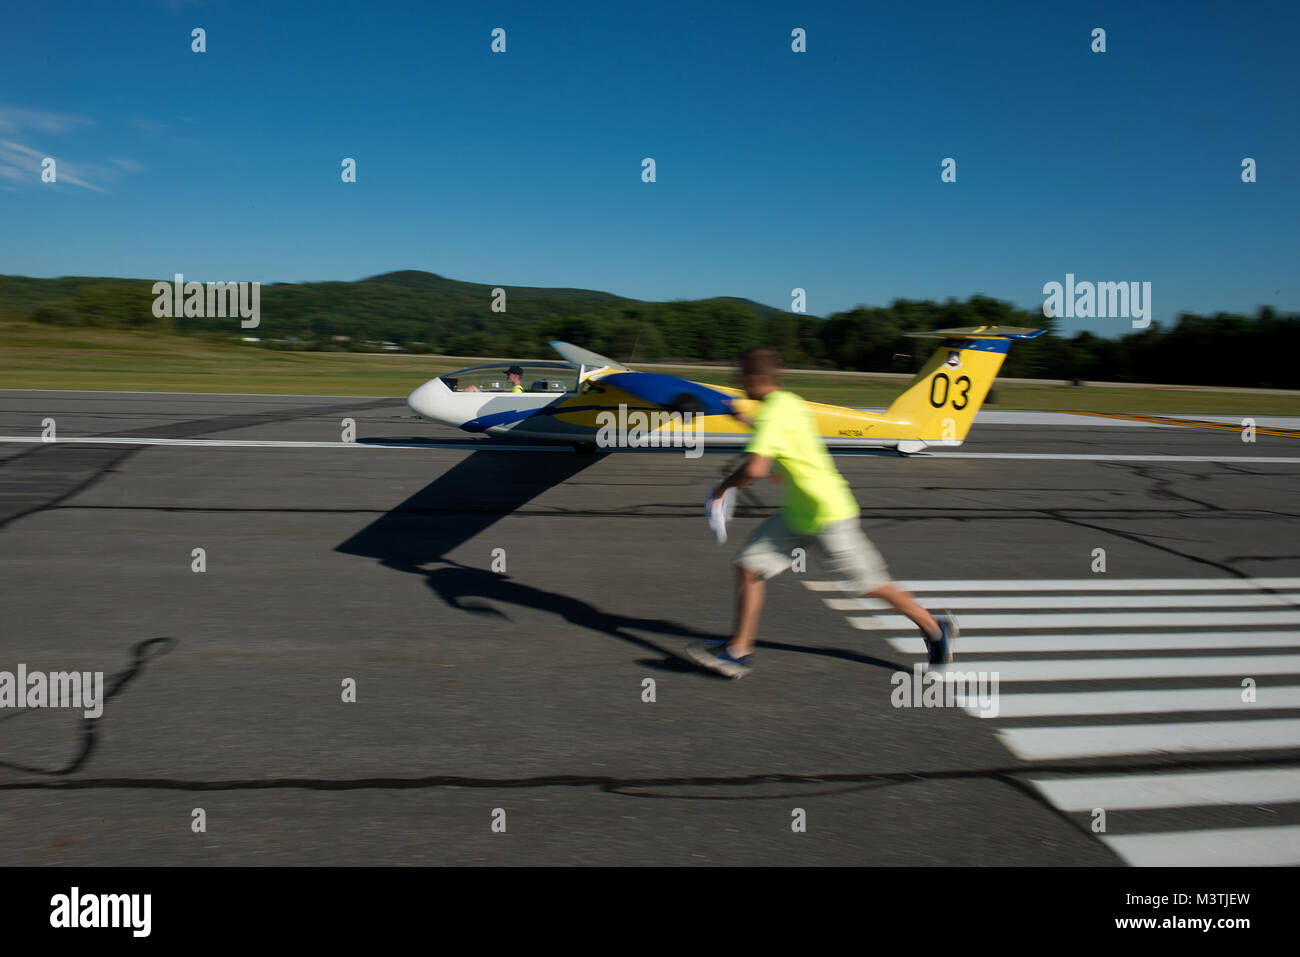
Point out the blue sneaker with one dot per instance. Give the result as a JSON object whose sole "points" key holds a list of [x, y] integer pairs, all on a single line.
{"points": [[940, 649], [716, 656]]}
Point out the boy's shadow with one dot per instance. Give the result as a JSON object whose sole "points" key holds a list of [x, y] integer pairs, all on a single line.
{"points": [[486, 486], [417, 536]]}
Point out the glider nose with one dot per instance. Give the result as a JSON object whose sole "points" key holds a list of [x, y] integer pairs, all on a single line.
{"points": [[430, 401]]}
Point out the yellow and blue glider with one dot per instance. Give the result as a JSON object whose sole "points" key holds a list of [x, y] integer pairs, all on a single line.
{"points": [[571, 401]]}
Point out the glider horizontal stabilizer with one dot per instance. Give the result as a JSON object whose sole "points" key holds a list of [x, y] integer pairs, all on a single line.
{"points": [[980, 332]]}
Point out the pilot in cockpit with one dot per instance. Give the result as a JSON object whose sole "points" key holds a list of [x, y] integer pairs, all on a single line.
{"points": [[514, 374]]}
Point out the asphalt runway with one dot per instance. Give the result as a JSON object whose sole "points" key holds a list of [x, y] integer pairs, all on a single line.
{"points": [[484, 693]]}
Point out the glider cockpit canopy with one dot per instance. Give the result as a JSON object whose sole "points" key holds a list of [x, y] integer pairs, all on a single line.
{"points": [[536, 376], [544, 377]]}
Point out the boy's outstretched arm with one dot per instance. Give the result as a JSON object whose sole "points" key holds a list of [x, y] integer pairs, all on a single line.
{"points": [[739, 416], [753, 467]]}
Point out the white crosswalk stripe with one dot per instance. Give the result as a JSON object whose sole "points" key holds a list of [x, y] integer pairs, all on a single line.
{"points": [[1124, 641], [1004, 602], [1223, 698], [1085, 584], [1040, 744], [1221, 847], [1132, 792], [1234, 667], [1096, 620], [1169, 666]]}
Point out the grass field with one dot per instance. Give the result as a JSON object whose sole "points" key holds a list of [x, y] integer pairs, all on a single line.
{"points": [[37, 356]]}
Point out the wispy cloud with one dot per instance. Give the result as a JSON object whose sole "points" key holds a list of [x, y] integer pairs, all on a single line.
{"points": [[22, 164], [146, 125], [17, 119]]}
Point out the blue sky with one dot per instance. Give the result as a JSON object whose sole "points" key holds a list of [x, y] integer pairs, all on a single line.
{"points": [[774, 170]]}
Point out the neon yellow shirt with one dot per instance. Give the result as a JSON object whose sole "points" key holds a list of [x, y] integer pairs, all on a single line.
{"points": [[517, 388], [815, 492]]}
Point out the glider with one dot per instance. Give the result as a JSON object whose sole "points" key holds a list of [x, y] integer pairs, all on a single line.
{"points": [[570, 402]]}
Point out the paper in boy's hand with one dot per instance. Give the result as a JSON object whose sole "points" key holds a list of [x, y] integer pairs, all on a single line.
{"points": [[718, 511]]}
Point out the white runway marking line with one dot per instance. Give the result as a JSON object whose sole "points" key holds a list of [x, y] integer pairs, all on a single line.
{"points": [[1150, 619], [1070, 457], [209, 395], [233, 443], [280, 444], [987, 416]]}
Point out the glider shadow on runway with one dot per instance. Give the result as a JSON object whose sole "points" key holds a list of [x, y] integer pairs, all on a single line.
{"points": [[419, 534]]}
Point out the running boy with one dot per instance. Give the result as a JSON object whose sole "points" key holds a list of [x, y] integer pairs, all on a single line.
{"points": [[818, 504]]}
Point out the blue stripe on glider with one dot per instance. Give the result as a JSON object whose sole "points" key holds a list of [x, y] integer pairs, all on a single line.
{"points": [[485, 422], [665, 390]]}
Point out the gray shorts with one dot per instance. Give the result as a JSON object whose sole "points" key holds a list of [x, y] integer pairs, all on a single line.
{"points": [[852, 557]]}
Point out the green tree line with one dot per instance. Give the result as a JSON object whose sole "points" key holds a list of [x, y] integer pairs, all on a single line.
{"points": [[423, 312]]}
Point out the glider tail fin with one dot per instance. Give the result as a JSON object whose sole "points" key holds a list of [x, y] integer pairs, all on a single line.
{"points": [[939, 405]]}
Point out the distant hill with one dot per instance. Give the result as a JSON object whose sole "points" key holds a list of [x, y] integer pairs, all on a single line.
{"points": [[416, 279], [423, 311]]}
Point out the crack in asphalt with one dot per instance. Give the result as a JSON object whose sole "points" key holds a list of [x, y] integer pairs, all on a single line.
{"points": [[608, 782], [635, 787]]}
